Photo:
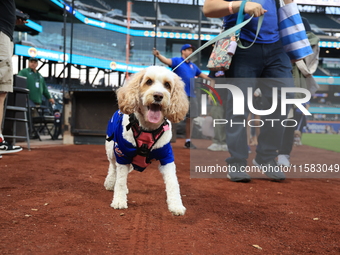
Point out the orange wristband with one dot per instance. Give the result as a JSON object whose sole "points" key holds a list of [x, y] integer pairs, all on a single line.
{"points": [[231, 7]]}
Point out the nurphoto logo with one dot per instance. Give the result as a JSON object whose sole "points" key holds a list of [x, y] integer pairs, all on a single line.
{"points": [[285, 97]]}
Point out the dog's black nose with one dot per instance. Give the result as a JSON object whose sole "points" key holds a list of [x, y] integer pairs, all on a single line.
{"points": [[158, 96]]}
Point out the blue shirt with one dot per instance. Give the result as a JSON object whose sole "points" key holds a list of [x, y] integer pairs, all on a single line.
{"points": [[186, 71], [125, 151], [269, 32]]}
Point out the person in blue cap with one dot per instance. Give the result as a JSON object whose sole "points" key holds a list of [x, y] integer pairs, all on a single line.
{"points": [[186, 71]]}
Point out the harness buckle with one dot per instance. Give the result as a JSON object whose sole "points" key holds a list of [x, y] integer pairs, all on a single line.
{"points": [[143, 150]]}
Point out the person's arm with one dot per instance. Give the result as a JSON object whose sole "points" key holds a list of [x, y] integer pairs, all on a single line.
{"points": [[221, 8], [161, 58], [46, 93], [20, 21], [204, 76]]}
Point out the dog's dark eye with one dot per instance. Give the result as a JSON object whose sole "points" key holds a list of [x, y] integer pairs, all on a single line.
{"points": [[167, 85], [149, 82]]}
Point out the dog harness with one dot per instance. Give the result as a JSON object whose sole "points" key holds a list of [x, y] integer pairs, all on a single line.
{"points": [[142, 155]]}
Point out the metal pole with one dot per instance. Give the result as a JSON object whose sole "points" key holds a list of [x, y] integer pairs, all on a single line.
{"points": [[199, 34], [64, 47], [156, 28], [71, 44], [128, 14]]}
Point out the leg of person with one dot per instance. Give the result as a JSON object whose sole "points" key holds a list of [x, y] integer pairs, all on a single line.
{"points": [[299, 117], [249, 135], [249, 129], [2, 102], [269, 142], [6, 85], [278, 74], [189, 123], [256, 129], [219, 139], [283, 159], [221, 129], [237, 141], [247, 64], [287, 144]]}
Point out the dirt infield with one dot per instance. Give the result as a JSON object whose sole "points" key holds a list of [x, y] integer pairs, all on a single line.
{"points": [[52, 201]]}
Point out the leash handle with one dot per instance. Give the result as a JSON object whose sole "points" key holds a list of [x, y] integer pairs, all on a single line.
{"points": [[220, 36], [240, 16], [259, 24]]}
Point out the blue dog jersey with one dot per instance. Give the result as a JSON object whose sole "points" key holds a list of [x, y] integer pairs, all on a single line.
{"points": [[125, 151]]}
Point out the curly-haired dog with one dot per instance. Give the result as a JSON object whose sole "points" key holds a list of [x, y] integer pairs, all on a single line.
{"points": [[140, 132]]}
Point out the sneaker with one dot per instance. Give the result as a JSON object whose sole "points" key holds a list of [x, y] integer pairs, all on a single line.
{"points": [[215, 147], [271, 169], [236, 174], [224, 147], [8, 148], [189, 145], [283, 160]]}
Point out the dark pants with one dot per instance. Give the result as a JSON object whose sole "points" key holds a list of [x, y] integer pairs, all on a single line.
{"points": [[288, 136], [288, 140], [259, 61]]}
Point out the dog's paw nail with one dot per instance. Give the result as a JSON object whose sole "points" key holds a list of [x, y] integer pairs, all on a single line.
{"points": [[116, 205], [109, 185], [178, 211]]}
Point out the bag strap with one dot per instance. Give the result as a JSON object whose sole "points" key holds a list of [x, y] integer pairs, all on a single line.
{"points": [[240, 18], [259, 24], [226, 33]]}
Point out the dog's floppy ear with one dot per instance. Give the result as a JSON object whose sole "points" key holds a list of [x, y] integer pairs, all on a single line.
{"points": [[179, 101], [128, 95]]}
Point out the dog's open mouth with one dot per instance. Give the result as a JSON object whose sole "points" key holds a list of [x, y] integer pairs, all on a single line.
{"points": [[154, 114]]}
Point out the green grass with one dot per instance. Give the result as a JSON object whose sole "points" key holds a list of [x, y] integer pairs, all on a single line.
{"points": [[322, 141]]}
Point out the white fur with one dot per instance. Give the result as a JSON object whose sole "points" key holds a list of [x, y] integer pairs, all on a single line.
{"points": [[116, 178]]}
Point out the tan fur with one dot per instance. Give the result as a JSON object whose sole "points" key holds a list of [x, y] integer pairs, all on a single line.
{"points": [[179, 102], [129, 96], [297, 133]]}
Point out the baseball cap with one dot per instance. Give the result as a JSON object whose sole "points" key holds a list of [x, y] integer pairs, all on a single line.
{"points": [[33, 59], [187, 46]]}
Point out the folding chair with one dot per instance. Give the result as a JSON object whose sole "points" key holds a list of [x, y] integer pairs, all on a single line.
{"points": [[17, 111], [41, 123]]}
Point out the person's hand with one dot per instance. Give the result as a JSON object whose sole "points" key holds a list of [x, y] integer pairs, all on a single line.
{"points": [[212, 83], [20, 22], [255, 9], [51, 100], [155, 52]]}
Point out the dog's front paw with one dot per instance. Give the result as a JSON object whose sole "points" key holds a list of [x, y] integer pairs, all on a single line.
{"points": [[177, 210], [119, 204], [109, 183]]}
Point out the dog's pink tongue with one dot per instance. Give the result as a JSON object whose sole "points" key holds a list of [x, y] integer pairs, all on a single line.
{"points": [[154, 114]]}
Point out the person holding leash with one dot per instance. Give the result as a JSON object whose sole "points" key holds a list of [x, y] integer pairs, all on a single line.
{"points": [[266, 58]]}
